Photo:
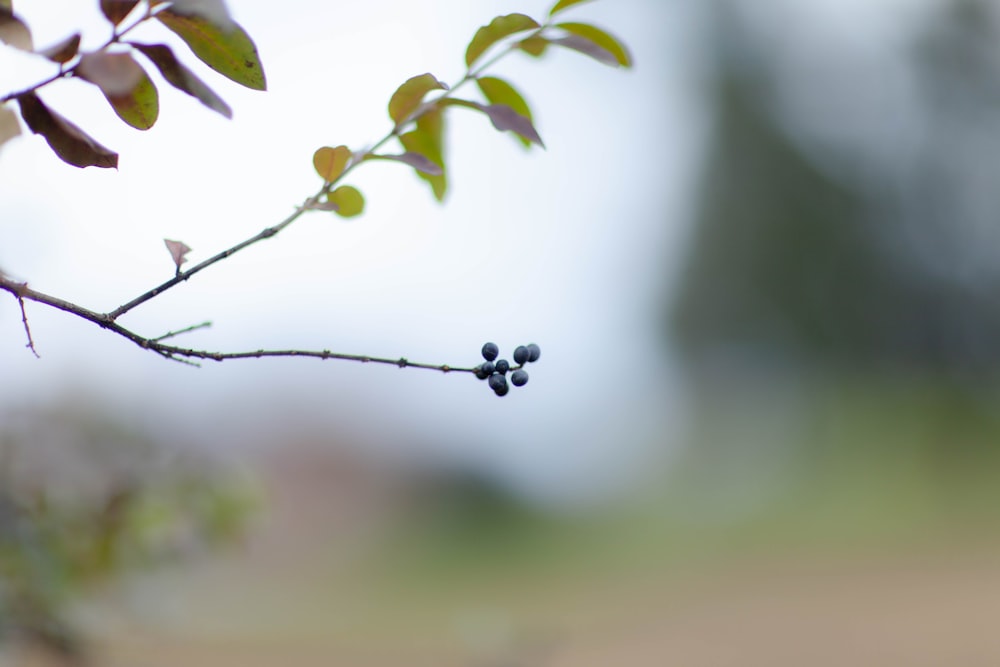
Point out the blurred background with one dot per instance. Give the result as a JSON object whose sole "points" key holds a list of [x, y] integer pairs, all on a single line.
{"points": [[762, 270]]}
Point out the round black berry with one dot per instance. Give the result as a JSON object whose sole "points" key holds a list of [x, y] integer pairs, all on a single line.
{"points": [[502, 391], [503, 366], [534, 352], [521, 355], [482, 372], [490, 351], [498, 382], [519, 378]]}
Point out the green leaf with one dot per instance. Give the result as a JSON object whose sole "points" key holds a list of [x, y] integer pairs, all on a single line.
{"points": [[348, 200], [331, 162], [180, 77], [498, 91], [228, 50], [9, 127], [598, 37], [498, 28], [116, 10], [125, 85], [534, 45], [563, 4], [63, 51], [428, 140], [14, 31], [408, 96], [69, 142]]}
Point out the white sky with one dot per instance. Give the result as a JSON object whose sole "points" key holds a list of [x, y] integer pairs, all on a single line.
{"points": [[569, 247]]}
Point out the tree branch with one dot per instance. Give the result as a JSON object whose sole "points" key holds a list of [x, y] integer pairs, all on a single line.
{"points": [[22, 292]]}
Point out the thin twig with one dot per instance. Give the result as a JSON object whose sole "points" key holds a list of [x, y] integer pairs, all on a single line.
{"points": [[171, 334], [27, 329]]}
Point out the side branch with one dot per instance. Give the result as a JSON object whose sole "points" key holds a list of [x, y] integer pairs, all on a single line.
{"points": [[22, 292]]}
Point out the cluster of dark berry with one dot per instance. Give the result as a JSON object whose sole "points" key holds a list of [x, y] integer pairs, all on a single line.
{"points": [[495, 370]]}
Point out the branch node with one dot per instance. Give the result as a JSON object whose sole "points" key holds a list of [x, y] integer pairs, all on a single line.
{"points": [[402, 363]]}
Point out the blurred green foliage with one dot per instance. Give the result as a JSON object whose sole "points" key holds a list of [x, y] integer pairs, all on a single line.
{"points": [[85, 501]]}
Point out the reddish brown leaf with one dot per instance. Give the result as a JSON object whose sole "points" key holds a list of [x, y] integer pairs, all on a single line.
{"points": [[181, 77], [177, 251], [63, 51], [116, 10], [14, 31], [9, 127], [70, 143]]}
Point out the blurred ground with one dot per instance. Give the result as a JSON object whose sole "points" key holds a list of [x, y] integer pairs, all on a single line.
{"points": [[870, 546]]}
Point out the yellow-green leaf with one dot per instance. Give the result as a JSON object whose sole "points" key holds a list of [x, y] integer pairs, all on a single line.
{"points": [[498, 91], [331, 162], [601, 38], [428, 140], [498, 28], [563, 4], [228, 50], [125, 85], [348, 200], [534, 45], [408, 96]]}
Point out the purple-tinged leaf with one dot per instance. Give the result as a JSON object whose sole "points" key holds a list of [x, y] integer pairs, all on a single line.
{"points": [[125, 84], [503, 118], [64, 51], [408, 96], [226, 49], [563, 4], [506, 119], [178, 252], [498, 28], [9, 127], [14, 31], [596, 38], [115, 11], [180, 77], [498, 91], [419, 162], [70, 143]]}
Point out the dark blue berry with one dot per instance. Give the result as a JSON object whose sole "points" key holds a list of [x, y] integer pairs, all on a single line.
{"points": [[498, 382], [488, 368], [482, 372], [521, 355], [490, 351], [534, 352], [502, 391], [519, 378], [503, 366]]}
